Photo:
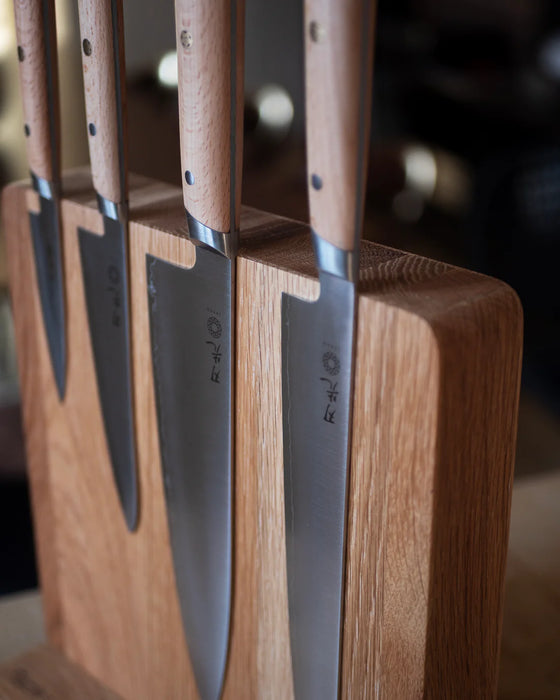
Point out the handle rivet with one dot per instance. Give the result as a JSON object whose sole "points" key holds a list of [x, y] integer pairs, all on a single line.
{"points": [[20, 53], [186, 39], [317, 32], [26, 130], [189, 177], [316, 182], [92, 129], [86, 44]]}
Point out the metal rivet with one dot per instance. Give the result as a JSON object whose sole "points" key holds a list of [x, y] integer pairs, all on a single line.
{"points": [[316, 182], [189, 177], [86, 44], [92, 129], [26, 129], [186, 39], [20, 53], [316, 32]]}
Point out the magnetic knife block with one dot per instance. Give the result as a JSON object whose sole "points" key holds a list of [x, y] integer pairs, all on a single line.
{"points": [[435, 416]]}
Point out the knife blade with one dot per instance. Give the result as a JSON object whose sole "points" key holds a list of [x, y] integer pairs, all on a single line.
{"points": [[37, 55], [192, 331], [105, 258], [318, 340]]}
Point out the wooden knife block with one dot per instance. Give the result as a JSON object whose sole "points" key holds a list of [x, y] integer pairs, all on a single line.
{"points": [[435, 412]]}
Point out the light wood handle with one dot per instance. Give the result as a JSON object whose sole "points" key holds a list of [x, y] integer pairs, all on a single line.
{"points": [[210, 37], [102, 45], [36, 38], [338, 78]]}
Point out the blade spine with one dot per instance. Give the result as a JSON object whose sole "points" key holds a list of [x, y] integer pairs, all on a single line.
{"points": [[348, 474]]}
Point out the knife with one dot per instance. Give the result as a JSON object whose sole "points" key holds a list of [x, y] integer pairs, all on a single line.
{"points": [[36, 37], [318, 340], [192, 331], [105, 258]]}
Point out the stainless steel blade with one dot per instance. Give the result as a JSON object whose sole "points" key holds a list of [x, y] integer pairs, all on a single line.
{"points": [[191, 333], [45, 234], [317, 347], [105, 281]]}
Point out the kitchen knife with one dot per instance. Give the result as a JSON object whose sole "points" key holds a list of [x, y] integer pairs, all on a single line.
{"points": [[192, 331], [36, 37], [318, 340], [105, 258]]}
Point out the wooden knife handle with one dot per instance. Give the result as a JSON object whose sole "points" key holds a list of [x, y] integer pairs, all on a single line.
{"points": [[102, 44], [338, 81], [36, 37], [210, 43]]}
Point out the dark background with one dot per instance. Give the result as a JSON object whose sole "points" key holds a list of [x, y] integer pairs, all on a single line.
{"points": [[464, 167]]}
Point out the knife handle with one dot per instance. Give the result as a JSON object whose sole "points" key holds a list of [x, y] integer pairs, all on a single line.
{"points": [[38, 73], [210, 37], [338, 86], [102, 44]]}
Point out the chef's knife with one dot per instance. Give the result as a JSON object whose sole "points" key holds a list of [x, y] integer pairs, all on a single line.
{"points": [[36, 37], [105, 258], [192, 331], [318, 340]]}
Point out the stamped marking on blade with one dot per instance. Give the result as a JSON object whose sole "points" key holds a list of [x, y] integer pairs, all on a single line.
{"points": [[114, 288], [214, 328], [331, 365]]}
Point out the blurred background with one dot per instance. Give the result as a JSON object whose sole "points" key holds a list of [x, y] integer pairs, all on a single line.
{"points": [[464, 167]]}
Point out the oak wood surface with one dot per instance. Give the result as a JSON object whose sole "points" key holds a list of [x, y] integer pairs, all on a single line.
{"points": [[41, 125], [338, 80], [101, 98], [45, 673], [205, 31], [437, 375]]}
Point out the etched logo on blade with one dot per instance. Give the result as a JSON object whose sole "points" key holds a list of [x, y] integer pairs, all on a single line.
{"points": [[114, 289], [331, 365], [214, 328]]}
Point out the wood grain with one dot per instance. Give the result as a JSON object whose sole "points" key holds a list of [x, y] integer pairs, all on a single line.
{"points": [[437, 376], [338, 80], [98, 63], [42, 128], [45, 673], [205, 31], [37, 398]]}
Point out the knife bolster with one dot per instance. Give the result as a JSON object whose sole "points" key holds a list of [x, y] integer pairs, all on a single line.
{"points": [[43, 187], [219, 241], [118, 211], [334, 260]]}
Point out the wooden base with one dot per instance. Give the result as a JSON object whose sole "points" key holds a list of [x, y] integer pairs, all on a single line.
{"points": [[435, 411], [45, 673]]}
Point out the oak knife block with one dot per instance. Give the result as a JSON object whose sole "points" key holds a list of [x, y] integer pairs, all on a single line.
{"points": [[435, 414]]}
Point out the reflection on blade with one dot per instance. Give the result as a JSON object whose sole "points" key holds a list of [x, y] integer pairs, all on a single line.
{"points": [[48, 265], [316, 390], [190, 322], [105, 283]]}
